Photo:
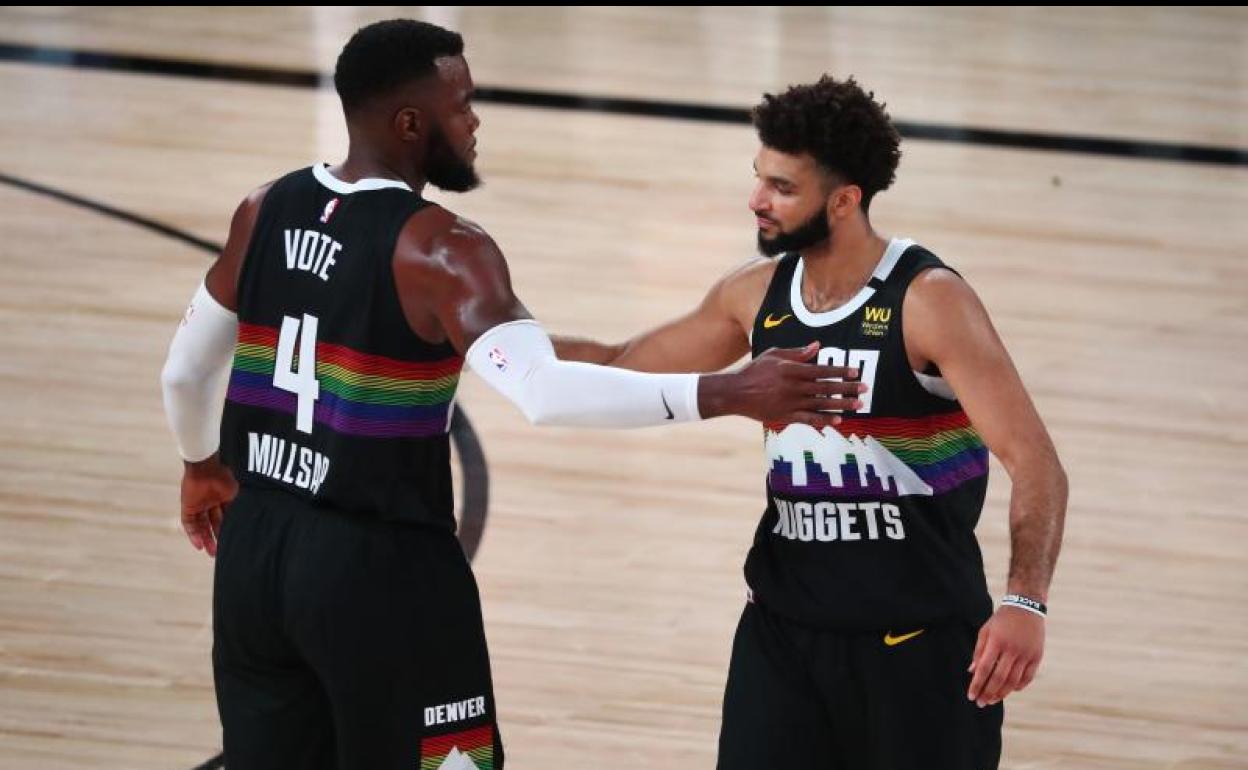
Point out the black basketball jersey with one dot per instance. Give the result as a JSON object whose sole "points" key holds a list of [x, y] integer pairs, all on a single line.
{"points": [[332, 397], [870, 524]]}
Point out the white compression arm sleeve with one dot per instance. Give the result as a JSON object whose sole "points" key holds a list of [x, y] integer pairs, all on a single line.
{"points": [[518, 360], [195, 375]]}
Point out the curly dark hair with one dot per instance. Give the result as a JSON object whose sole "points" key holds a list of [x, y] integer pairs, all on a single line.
{"points": [[387, 54], [840, 125]]}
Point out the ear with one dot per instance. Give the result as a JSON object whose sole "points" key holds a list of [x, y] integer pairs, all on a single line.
{"points": [[844, 202], [409, 124]]}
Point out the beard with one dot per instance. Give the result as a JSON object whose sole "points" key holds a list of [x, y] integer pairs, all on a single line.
{"points": [[446, 170], [814, 230]]}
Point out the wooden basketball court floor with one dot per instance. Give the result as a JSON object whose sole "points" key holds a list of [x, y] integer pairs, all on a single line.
{"points": [[610, 566]]}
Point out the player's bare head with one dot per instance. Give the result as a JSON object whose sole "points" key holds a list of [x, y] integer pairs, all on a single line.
{"points": [[827, 148], [405, 84]]}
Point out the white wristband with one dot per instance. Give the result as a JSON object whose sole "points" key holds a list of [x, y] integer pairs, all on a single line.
{"points": [[1033, 606]]}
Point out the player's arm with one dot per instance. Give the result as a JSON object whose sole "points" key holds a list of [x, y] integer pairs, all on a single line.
{"points": [[193, 382], [945, 323], [455, 268], [706, 339]]}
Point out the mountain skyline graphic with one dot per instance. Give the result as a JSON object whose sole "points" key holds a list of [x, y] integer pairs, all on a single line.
{"points": [[852, 465], [457, 760]]}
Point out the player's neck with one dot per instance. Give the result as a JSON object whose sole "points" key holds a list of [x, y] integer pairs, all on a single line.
{"points": [[362, 163], [837, 268]]}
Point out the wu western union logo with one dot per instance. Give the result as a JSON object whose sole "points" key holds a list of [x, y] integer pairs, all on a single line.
{"points": [[879, 314], [875, 321]]}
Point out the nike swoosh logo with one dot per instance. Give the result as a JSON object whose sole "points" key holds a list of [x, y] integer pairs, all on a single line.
{"points": [[670, 416], [893, 641], [771, 323]]}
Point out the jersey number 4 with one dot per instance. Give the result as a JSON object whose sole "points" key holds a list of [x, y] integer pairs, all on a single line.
{"points": [[301, 381]]}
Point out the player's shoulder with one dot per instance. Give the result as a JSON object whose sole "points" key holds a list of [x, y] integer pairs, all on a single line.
{"points": [[439, 237], [936, 284], [247, 212], [753, 274], [256, 196], [436, 224], [745, 284], [755, 268], [939, 300]]}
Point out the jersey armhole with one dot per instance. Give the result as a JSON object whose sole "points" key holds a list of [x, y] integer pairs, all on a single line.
{"points": [[929, 381], [392, 236]]}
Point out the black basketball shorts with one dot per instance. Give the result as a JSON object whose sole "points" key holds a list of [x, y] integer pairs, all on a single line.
{"points": [[886, 700], [343, 642]]}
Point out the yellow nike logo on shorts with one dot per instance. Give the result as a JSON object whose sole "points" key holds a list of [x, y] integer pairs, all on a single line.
{"points": [[893, 641]]}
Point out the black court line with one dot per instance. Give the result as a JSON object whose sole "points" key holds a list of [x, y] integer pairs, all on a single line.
{"points": [[475, 489], [115, 213], [708, 113]]}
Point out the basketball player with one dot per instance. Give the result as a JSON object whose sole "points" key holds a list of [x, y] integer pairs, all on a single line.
{"points": [[347, 625], [869, 641]]}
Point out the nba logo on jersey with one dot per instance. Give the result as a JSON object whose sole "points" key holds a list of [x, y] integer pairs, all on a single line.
{"points": [[329, 210], [498, 359]]}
